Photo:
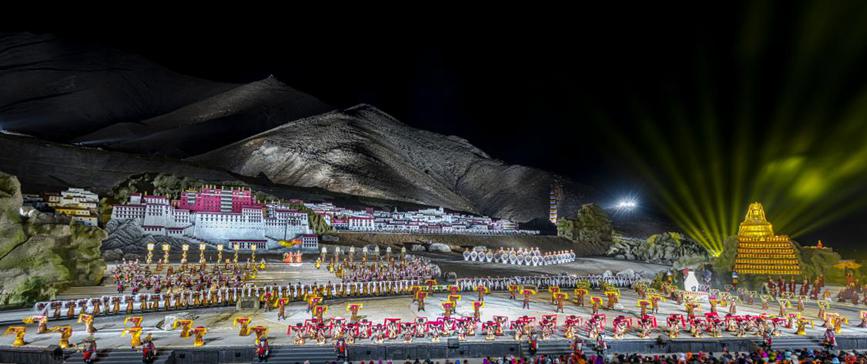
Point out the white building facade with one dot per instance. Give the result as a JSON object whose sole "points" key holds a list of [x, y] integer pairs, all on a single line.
{"points": [[263, 226]]}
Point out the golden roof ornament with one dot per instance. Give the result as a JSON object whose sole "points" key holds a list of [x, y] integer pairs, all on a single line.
{"points": [[755, 225]]}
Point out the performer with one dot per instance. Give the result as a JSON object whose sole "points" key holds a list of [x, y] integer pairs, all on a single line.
{"points": [[579, 296], [620, 325], [41, 323], [477, 307], [281, 308], [646, 325], [88, 323], [613, 296], [527, 293], [802, 326], [561, 300], [482, 290], [513, 290], [19, 332]]}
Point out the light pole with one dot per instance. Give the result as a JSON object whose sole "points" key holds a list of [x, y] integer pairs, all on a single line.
{"points": [[150, 254], [184, 248], [253, 253], [219, 253], [202, 253], [166, 248], [236, 247]]}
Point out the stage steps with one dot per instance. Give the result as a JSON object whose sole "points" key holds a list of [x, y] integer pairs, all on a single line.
{"points": [[796, 342], [298, 354], [120, 356], [553, 347]]}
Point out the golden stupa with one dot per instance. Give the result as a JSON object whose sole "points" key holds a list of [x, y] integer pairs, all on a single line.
{"points": [[760, 252]]}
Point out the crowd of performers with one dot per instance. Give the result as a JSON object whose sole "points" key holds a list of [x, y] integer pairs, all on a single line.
{"points": [[522, 256], [544, 281], [202, 288], [139, 278], [380, 270], [692, 321], [855, 291], [779, 287], [198, 286]]}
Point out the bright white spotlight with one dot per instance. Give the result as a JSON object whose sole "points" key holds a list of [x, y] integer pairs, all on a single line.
{"points": [[626, 204]]}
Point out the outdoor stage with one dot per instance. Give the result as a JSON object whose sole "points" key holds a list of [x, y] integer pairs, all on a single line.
{"points": [[375, 309], [223, 343]]}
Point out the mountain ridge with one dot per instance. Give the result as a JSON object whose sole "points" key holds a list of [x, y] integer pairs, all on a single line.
{"points": [[210, 122], [363, 150], [130, 115]]}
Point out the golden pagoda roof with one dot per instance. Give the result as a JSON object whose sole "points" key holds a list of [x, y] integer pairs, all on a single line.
{"points": [[755, 225]]}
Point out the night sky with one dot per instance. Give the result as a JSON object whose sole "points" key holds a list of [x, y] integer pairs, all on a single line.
{"points": [[541, 88]]}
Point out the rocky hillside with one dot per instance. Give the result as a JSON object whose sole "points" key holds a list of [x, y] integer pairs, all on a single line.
{"points": [[363, 151], [665, 248], [591, 225], [40, 255]]}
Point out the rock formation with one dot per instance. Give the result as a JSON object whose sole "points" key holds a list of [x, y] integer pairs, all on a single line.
{"points": [[37, 259], [126, 239], [664, 248], [591, 225]]}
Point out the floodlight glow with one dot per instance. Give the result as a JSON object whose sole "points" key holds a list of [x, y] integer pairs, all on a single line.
{"points": [[626, 204]]}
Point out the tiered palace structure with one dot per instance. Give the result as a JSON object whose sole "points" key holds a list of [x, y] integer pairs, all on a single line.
{"points": [[760, 252], [218, 215]]}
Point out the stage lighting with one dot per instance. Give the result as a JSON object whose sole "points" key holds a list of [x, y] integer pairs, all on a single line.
{"points": [[626, 204]]}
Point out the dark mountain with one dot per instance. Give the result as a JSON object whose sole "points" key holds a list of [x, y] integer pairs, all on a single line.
{"points": [[73, 92], [57, 89], [363, 151], [130, 116], [212, 122]]}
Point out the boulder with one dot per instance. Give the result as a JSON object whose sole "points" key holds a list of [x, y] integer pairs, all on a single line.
{"points": [[112, 255], [417, 248], [439, 247]]}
